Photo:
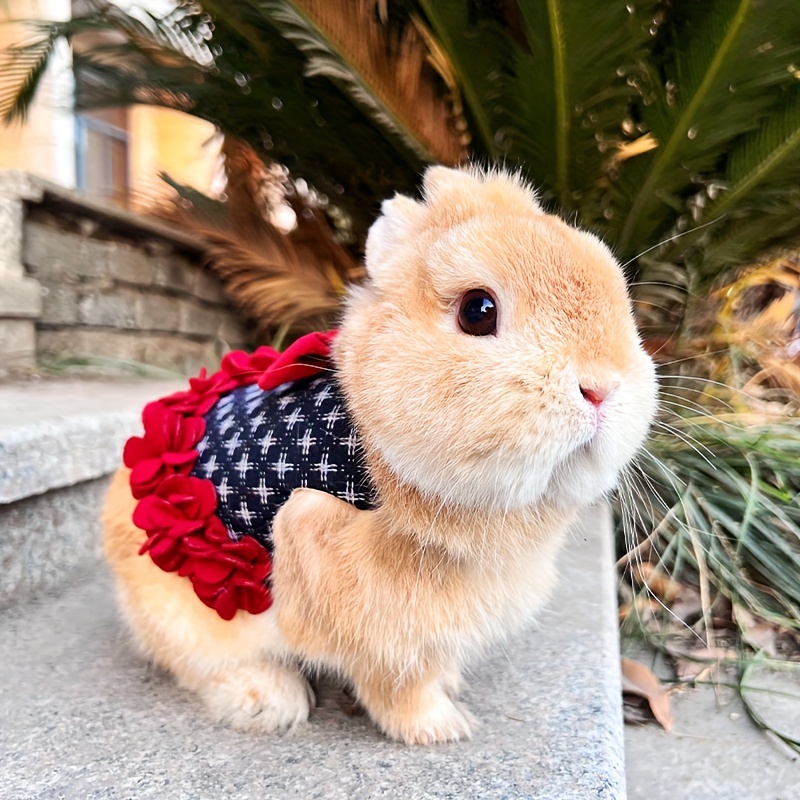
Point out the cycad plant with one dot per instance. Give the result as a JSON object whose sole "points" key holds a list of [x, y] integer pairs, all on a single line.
{"points": [[671, 128]]}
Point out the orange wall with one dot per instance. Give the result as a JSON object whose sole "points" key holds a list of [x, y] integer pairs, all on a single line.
{"points": [[45, 143], [160, 140], [184, 147]]}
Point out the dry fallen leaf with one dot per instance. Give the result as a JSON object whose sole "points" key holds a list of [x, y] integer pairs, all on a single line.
{"points": [[688, 604], [644, 608], [662, 586], [760, 635], [692, 663], [638, 679]]}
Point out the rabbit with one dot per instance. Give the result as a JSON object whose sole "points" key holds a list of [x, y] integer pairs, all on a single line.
{"points": [[491, 367]]}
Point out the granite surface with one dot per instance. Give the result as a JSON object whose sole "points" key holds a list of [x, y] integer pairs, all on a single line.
{"points": [[44, 539], [85, 717], [715, 750], [59, 441], [59, 434]]}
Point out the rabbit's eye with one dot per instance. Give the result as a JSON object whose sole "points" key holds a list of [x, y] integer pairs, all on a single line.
{"points": [[477, 313]]}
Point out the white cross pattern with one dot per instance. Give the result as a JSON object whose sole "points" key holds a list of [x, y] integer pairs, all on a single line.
{"points": [[226, 424], [257, 421], [332, 417], [323, 467], [263, 491], [267, 442], [282, 466], [201, 445], [307, 426], [293, 418], [211, 466], [322, 395], [351, 442], [244, 464], [307, 442], [349, 493], [233, 443], [244, 514]]}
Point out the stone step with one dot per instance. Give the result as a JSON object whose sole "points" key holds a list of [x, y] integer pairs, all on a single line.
{"points": [[85, 717], [59, 442]]}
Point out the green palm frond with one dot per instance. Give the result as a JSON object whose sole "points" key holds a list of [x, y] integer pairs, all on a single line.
{"points": [[23, 68], [254, 83], [340, 93], [758, 155], [757, 200], [480, 52], [718, 74], [572, 86], [378, 69]]}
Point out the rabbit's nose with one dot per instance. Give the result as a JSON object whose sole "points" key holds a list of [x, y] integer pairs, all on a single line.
{"points": [[596, 394]]}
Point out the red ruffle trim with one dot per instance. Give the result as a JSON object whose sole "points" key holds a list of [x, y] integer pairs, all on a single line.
{"points": [[177, 511]]}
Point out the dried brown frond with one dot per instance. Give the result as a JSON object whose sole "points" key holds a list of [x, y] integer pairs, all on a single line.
{"points": [[396, 64], [289, 282], [248, 182], [759, 325], [626, 150], [271, 283]]}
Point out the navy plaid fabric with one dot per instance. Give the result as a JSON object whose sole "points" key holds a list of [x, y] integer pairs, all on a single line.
{"points": [[260, 445]]}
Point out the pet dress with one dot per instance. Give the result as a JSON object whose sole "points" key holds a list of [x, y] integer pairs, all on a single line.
{"points": [[216, 463]]}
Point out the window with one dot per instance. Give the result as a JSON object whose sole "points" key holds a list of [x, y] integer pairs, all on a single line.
{"points": [[101, 142]]}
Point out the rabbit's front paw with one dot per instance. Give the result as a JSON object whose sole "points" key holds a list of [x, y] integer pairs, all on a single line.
{"points": [[418, 714], [265, 698], [451, 682], [442, 720]]}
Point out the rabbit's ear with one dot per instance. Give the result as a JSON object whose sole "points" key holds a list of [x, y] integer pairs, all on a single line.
{"points": [[400, 219], [459, 194]]}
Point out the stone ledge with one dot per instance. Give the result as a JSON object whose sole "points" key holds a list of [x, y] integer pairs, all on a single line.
{"points": [[19, 185], [46, 538], [17, 344], [548, 701], [52, 454], [57, 434], [20, 298], [84, 716], [170, 352]]}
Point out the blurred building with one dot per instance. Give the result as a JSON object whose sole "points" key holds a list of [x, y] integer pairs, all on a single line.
{"points": [[114, 155], [82, 279]]}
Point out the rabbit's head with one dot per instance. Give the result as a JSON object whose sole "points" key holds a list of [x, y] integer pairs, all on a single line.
{"points": [[491, 360]]}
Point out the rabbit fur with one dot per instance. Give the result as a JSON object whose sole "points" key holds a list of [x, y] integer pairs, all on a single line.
{"points": [[482, 450]]}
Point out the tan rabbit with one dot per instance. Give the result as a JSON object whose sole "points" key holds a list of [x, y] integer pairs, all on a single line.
{"points": [[491, 369]]}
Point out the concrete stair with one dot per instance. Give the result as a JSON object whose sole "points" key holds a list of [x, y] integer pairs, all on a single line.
{"points": [[84, 717]]}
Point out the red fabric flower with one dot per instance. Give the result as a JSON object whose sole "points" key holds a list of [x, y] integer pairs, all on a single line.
{"points": [[180, 507], [227, 574], [307, 356], [203, 393], [166, 448], [177, 511], [248, 366]]}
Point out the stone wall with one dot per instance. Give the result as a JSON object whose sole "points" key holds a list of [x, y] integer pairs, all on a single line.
{"points": [[81, 281]]}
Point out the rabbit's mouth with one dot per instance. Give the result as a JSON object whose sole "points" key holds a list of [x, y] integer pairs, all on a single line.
{"points": [[593, 467]]}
